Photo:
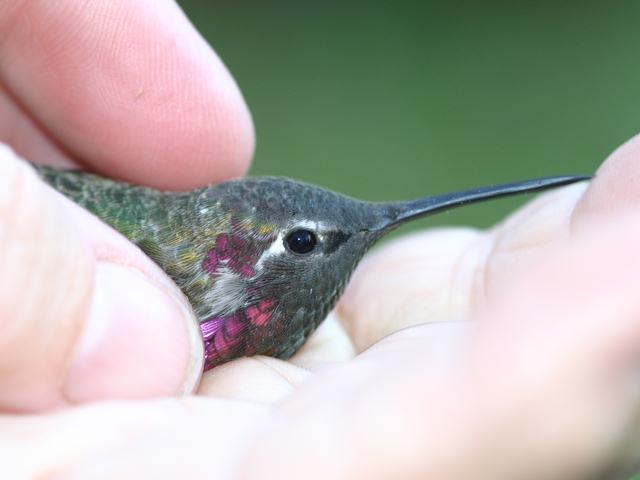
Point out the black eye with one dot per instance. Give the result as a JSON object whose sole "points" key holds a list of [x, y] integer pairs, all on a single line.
{"points": [[301, 241]]}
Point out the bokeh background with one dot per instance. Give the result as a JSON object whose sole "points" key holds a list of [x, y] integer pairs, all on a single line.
{"points": [[390, 100]]}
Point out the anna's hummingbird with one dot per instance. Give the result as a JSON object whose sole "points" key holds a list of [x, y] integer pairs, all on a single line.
{"points": [[261, 259]]}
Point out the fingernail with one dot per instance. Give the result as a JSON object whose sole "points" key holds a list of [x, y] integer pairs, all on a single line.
{"points": [[141, 339]]}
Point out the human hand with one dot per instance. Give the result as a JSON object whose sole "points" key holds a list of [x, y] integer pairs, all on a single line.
{"points": [[540, 386], [128, 89]]}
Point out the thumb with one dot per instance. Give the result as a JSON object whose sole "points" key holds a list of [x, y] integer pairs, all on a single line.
{"points": [[84, 314]]}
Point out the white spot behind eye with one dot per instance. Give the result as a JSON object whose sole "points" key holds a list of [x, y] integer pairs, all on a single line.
{"points": [[278, 248]]}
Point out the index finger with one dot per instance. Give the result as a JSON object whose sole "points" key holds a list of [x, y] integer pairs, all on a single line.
{"points": [[130, 89]]}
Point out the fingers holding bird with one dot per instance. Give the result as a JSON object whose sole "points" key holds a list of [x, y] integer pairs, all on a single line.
{"points": [[84, 315], [127, 89]]}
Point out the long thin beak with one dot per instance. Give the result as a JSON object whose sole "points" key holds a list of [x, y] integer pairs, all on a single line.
{"points": [[401, 212]]}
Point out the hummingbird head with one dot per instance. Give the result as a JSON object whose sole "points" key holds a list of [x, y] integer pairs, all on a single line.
{"points": [[294, 248], [286, 252]]}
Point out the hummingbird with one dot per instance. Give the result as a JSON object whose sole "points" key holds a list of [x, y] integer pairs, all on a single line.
{"points": [[262, 260]]}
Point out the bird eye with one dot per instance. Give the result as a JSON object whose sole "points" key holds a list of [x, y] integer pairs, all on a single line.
{"points": [[301, 241]]}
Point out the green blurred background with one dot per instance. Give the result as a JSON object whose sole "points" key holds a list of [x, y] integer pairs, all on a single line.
{"points": [[391, 100]]}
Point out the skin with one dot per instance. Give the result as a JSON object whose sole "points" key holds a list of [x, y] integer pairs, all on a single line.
{"points": [[454, 353]]}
